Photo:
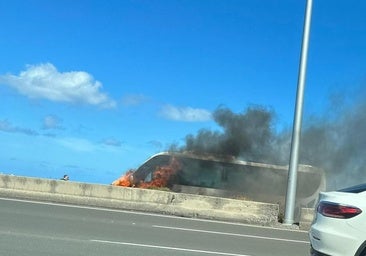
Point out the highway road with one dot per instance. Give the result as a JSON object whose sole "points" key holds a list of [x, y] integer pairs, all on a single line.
{"points": [[43, 229]]}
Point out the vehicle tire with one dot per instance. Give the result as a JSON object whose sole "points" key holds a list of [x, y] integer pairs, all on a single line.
{"points": [[362, 250]]}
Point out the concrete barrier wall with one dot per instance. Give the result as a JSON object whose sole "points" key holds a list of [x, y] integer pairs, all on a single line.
{"points": [[307, 216], [179, 204]]}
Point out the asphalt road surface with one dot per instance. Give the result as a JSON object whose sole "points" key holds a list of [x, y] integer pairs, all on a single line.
{"points": [[42, 229]]}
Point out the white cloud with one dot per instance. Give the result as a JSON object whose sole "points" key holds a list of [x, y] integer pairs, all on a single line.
{"points": [[111, 142], [134, 99], [52, 122], [46, 82], [187, 114]]}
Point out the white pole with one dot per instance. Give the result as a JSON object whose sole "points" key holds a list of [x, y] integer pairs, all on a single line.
{"points": [[296, 132]]}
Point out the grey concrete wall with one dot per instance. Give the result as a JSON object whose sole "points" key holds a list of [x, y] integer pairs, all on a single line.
{"points": [[307, 216], [180, 204]]}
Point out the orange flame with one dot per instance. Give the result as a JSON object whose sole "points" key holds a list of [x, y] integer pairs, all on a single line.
{"points": [[126, 180], [160, 177]]}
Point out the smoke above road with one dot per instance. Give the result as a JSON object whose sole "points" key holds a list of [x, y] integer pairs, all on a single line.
{"points": [[334, 140], [249, 135]]}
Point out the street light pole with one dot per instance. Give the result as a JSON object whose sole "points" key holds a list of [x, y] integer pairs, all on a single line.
{"points": [[296, 132]]}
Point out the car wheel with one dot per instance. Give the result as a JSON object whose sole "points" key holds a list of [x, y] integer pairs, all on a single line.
{"points": [[363, 248]]}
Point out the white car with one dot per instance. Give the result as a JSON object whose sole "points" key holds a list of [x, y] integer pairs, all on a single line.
{"points": [[339, 226]]}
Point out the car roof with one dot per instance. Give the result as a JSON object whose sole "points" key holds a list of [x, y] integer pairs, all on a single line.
{"points": [[354, 189]]}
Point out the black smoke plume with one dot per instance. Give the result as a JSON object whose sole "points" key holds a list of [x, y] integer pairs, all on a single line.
{"points": [[334, 141], [246, 135]]}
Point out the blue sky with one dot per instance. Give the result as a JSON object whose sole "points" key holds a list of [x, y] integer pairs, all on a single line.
{"points": [[93, 88]]}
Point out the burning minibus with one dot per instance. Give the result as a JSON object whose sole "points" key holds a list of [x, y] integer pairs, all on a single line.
{"points": [[224, 176]]}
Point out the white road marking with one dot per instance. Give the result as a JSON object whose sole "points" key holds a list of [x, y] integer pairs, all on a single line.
{"points": [[41, 237], [231, 234], [169, 248]]}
